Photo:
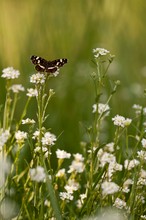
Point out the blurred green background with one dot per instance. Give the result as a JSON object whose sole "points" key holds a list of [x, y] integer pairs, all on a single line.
{"points": [[71, 29]]}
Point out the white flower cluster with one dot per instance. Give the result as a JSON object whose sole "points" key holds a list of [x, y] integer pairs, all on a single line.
{"points": [[10, 73], [121, 121], [101, 108], [16, 88], [139, 109], [37, 174], [48, 139], [20, 136], [77, 164], [32, 92], [70, 187], [100, 52], [4, 135], [61, 154], [38, 78], [108, 158], [28, 121], [109, 188]]}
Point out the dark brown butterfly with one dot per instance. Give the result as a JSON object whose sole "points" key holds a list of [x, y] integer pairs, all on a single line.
{"points": [[42, 65]]}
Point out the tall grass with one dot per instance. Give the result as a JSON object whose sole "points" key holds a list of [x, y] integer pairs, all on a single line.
{"points": [[100, 174]]}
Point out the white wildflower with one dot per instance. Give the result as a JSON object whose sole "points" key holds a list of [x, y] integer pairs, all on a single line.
{"points": [[119, 203], [83, 196], [106, 158], [78, 157], [126, 185], [60, 173], [109, 147], [36, 135], [120, 121], [61, 154], [20, 136], [4, 135], [16, 88], [76, 166], [94, 108], [10, 73], [143, 141], [28, 121], [72, 186], [38, 174], [137, 109], [100, 52], [101, 108], [66, 196], [141, 154], [48, 139], [32, 92], [109, 188], [38, 78], [130, 164]]}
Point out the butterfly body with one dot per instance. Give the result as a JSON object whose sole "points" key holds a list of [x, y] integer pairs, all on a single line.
{"points": [[43, 65]]}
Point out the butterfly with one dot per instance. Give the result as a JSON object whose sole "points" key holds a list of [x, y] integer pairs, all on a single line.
{"points": [[42, 65]]}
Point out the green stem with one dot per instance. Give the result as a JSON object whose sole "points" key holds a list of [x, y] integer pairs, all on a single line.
{"points": [[41, 114]]}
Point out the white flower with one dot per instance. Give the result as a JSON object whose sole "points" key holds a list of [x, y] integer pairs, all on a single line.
{"points": [[143, 141], [10, 73], [20, 136], [37, 174], [32, 92], [119, 203], [137, 108], [106, 158], [16, 88], [109, 188], [120, 121], [78, 157], [72, 186], [66, 196], [109, 147], [77, 166], [44, 150], [126, 185], [28, 121], [83, 196], [100, 52], [101, 108], [48, 139], [130, 164], [94, 108], [61, 154], [38, 78], [36, 135], [60, 173], [141, 154], [4, 135]]}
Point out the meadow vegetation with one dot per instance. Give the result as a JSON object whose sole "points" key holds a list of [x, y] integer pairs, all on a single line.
{"points": [[73, 146]]}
